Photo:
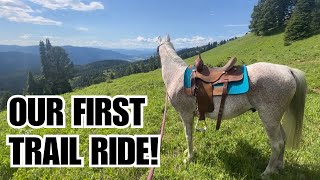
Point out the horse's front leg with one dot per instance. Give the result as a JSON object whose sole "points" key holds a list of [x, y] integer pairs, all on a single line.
{"points": [[187, 119]]}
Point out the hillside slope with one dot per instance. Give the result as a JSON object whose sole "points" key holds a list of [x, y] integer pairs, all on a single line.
{"points": [[239, 150], [304, 54]]}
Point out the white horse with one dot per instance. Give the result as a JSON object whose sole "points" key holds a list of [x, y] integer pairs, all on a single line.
{"points": [[275, 90]]}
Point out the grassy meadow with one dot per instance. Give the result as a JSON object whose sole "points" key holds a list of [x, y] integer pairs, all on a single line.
{"points": [[239, 150]]}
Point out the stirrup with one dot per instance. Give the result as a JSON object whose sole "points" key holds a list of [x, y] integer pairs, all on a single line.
{"points": [[201, 129]]}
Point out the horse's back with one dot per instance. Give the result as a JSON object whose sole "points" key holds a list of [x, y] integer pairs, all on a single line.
{"points": [[271, 85], [269, 72]]}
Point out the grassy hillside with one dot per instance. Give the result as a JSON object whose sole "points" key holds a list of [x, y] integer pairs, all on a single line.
{"points": [[239, 150]]}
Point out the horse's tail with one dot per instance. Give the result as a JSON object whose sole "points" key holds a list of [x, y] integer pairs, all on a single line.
{"points": [[293, 117]]}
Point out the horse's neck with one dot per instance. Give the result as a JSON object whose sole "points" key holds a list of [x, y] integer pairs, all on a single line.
{"points": [[173, 66]]}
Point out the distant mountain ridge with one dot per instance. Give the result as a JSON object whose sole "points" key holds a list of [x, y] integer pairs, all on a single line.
{"points": [[18, 61], [14, 67], [137, 54], [85, 55]]}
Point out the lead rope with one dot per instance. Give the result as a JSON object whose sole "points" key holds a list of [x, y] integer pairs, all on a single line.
{"points": [[151, 172]]}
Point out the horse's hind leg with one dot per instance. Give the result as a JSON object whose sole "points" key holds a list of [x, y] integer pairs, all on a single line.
{"points": [[271, 122], [280, 164], [187, 119]]}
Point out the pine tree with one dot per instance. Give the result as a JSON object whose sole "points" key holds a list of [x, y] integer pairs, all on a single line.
{"points": [[31, 87], [255, 18], [42, 50], [290, 7], [43, 57], [315, 22], [4, 96], [269, 16], [57, 68], [48, 45], [299, 24]]}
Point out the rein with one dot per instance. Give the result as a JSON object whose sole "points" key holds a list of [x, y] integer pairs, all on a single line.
{"points": [[158, 48], [151, 172]]}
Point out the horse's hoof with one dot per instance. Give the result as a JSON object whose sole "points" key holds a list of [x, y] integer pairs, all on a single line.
{"points": [[280, 166], [185, 152], [265, 175], [187, 160], [201, 129]]}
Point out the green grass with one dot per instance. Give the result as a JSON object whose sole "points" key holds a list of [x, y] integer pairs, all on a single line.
{"points": [[239, 150]]}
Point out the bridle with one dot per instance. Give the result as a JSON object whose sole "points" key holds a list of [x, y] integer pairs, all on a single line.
{"points": [[159, 47], [163, 44]]}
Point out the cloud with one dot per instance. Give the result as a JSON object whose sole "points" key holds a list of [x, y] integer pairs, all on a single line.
{"points": [[76, 5], [194, 39], [236, 25], [17, 11], [83, 29], [25, 36], [151, 42], [148, 40], [191, 41], [50, 37]]}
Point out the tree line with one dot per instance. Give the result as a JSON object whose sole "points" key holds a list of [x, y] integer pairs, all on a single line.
{"points": [[103, 71], [93, 73], [298, 19], [190, 52]]}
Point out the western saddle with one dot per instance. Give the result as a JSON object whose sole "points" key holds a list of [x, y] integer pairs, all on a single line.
{"points": [[203, 80]]}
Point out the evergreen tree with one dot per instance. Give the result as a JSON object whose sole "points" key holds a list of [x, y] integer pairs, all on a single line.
{"points": [[57, 68], [42, 50], [299, 24], [290, 7], [4, 96], [31, 87], [315, 22], [255, 18], [269, 16], [111, 75], [48, 45]]}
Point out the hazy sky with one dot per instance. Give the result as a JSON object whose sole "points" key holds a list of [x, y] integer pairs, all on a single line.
{"points": [[122, 23]]}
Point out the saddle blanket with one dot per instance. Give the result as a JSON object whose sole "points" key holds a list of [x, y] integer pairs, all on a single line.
{"points": [[238, 87]]}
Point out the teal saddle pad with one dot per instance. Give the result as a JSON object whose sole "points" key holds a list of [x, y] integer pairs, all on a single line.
{"points": [[238, 87]]}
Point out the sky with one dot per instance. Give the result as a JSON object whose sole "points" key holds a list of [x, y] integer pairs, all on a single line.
{"points": [[125, 24]]}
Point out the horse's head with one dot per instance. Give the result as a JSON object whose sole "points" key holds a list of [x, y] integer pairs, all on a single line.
{"points": [[165, 41]]}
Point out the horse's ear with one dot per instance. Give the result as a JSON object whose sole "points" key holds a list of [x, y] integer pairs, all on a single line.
{"points": [[159, 40], [167, 38]]}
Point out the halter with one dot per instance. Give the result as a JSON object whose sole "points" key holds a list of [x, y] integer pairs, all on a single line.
{"points": [[159, 46], [163, 44]]}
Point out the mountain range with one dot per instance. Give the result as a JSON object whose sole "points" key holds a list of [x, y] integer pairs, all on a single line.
{"points": [[85, 55], [16, 61]]}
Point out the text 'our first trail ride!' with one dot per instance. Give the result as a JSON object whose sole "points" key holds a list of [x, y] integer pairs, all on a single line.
{"points": [[87, 112]]}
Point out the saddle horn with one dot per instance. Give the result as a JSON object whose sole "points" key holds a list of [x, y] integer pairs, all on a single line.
{"points": [[199, 63]]}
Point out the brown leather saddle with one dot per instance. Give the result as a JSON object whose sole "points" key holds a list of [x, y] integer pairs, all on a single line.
{"points": [[202, 80]]}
